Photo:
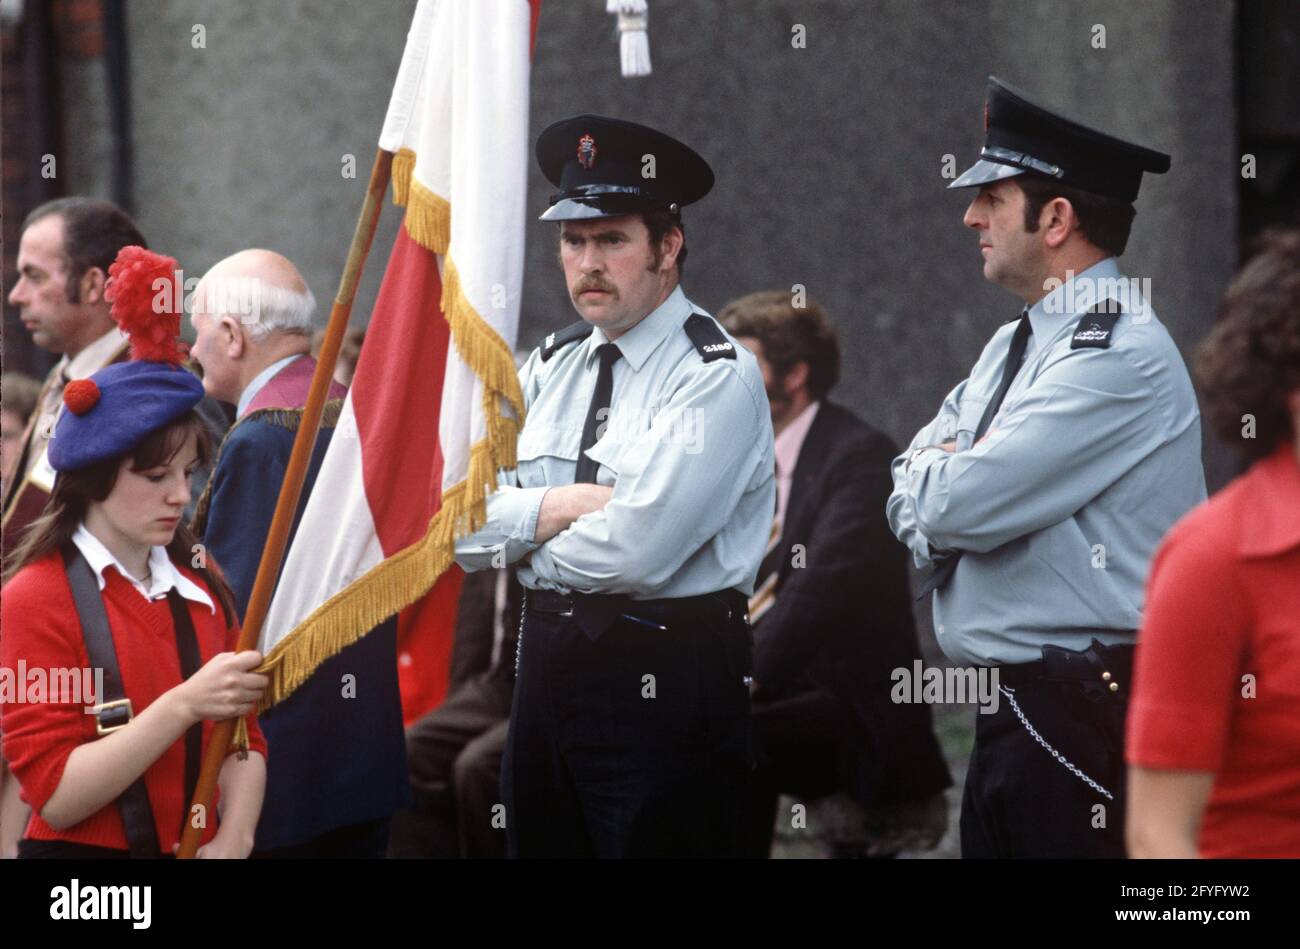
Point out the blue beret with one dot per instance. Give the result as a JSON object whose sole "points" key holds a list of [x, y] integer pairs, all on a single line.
{"points": [[117, 408]]}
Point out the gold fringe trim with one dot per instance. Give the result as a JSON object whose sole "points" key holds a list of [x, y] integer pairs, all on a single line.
{"points": [[428, 218], [403, 168], [398, 581], [239, 740]]}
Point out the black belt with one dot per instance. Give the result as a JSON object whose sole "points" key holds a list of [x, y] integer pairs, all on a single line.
{"points": [[596, 612], [1102, 670]]}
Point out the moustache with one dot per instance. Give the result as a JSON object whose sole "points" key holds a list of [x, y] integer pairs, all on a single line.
{"points": [[584, 285]]}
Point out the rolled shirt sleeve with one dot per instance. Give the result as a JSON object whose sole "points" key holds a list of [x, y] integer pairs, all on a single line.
{"points": [[510, 528], [671, 494]]}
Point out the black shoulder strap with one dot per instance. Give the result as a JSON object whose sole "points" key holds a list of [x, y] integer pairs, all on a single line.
{"points": [[560, 338], [187, 647], [708, 338], [137, 814], [1094, 329]]}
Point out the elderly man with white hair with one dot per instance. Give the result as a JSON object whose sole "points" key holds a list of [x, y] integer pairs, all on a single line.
{"points": [[336, 770]]}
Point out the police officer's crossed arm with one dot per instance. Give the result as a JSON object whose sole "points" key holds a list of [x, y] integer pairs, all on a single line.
{"points": [[521, 519], [670, 497], [940, 432], [1088, 418]]}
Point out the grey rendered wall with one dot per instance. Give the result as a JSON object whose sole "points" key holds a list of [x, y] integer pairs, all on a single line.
{"points": [[828, 158]]}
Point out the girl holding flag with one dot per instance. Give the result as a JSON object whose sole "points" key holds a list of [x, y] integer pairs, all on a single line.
{"points": [[110, 578]]}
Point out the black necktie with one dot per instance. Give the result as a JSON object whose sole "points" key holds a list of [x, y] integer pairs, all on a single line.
{"points": [[597, 412], [943, 568]]}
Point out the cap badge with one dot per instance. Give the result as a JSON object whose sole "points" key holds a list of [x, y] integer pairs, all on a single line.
{"points": [[586, 152]]}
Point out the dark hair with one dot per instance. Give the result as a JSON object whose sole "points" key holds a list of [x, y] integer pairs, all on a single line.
{"points": [[1104, 221], [19, 393], [659, 223], [1250, 362], [74, 490], [93, 232], [789, 335]]}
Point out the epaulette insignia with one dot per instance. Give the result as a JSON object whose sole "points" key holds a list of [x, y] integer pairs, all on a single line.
{"points": [[570, 334], [709, 341], [1095, 327]]}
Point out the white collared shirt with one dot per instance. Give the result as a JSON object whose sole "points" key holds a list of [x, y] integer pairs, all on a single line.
{"points": [[163, 573], [788, 445], [259, 382]]}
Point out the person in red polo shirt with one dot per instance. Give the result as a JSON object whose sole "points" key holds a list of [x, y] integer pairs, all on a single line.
{"points": [[1214, 723], [110, 572]]}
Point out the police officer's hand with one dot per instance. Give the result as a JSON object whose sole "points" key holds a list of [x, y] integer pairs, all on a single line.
{"points": [[226, 687], [564, 504]]}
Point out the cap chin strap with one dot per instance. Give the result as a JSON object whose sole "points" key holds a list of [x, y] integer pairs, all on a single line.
{"points": [[1007, 157]]}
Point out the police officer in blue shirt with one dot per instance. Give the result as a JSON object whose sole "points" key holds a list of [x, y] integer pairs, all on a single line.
{"points": [[638, 514], [1035, 498]]}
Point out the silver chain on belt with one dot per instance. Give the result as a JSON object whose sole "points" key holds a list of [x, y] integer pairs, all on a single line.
{"points": [[1015, 707]]}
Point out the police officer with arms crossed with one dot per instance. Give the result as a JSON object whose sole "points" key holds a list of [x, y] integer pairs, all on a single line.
{"points": [[1036, 497], [639, 517]]}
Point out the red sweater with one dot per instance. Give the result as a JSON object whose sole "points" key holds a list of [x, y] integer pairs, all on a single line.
{"points": [[1217, 683], [38, 624]]}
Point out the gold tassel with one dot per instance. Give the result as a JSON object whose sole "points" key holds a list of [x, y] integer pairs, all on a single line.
{"points": [[239, 740]]}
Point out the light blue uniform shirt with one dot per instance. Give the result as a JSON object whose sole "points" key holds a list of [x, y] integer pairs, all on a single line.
{"points": [[1093, 456], [687, 447]]}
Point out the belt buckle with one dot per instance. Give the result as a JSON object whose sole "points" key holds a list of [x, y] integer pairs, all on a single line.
{"points": [[99, 710]]}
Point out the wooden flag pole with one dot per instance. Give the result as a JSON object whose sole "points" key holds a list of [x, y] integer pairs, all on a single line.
{"points": [[278, 536]]}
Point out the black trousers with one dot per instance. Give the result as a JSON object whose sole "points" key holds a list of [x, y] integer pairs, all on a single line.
{"points": [[636, 744], [455, 757], [1020, 801]]}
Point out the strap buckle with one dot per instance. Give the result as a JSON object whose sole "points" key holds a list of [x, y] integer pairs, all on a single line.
{"points": [[111, 709]]}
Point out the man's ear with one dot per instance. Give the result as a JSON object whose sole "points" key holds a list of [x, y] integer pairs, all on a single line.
{"points": [[670, 247], [232, 336], [1057, 220], [796, 378], [91, 287]]}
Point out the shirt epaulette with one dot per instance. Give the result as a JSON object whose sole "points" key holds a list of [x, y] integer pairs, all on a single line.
{"points": [[709, 341], [1095, 327], [570, 334]]}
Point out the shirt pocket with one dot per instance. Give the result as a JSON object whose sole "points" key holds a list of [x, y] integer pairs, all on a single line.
{"points": [[547, 443]]}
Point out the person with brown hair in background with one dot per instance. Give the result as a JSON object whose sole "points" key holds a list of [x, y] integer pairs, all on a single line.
{"points": [[831, 613]]}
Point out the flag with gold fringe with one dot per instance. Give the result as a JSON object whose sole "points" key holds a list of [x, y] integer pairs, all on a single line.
{"points": [[435, 407]]}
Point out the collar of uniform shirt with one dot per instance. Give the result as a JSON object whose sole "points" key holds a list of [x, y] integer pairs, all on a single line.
{"points": [[164, 574], [95, 356], [640, 341], [259, 382], [1049, 315]]}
